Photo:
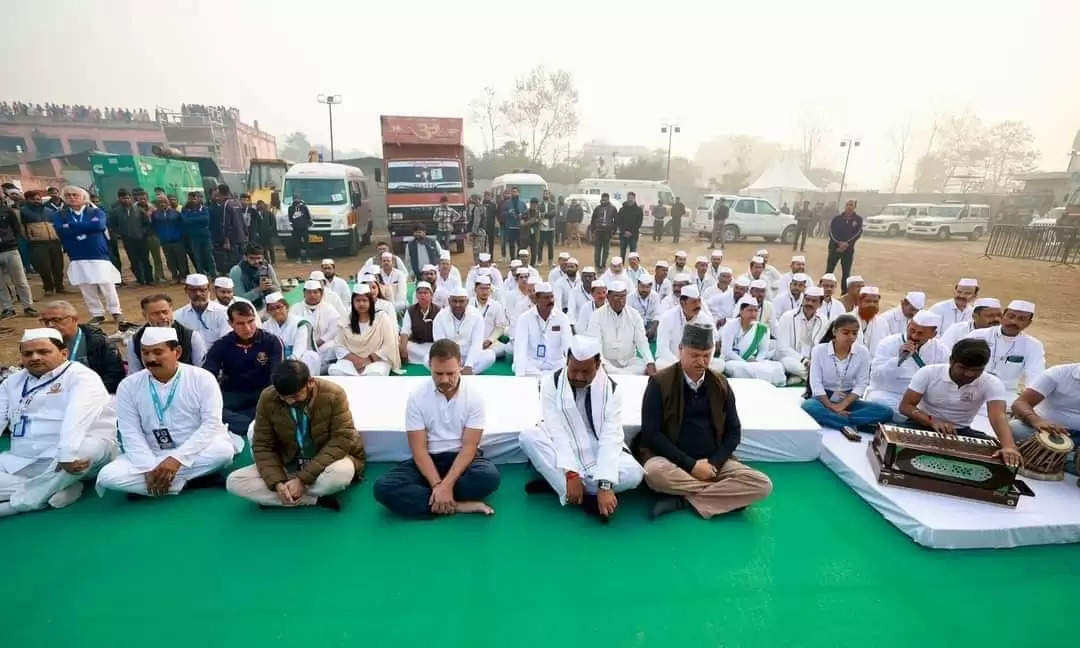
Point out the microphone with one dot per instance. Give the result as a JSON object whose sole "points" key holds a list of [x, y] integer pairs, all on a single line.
{"points": [[904, 355]]}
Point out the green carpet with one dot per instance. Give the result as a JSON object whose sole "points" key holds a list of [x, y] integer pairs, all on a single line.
{"points": [[810, 566]]}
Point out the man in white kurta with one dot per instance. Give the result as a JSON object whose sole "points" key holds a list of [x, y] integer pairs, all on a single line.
{"points": [[797, 331], [747, 350], [621, 331], [169, 422], [329, 296], [336, 284], [414, 343], [323, 318], [579, 447], [700, 277], [542, 336], [598, 292], [872, 327], [518, 300], [615, 271], [900, 355], [959, 308], [566, 285], [798, 266], [483, 269], [661, 281], [830, 308], [897, 318], [295, 334], [201, 314], [791, 297], [580, 293], [757, 273], [371, 265], [986, 313], [771, 274], [647, 304], [446, 275], [678, 282], [1013, 353], [766, 314], [465, 326], [62, 422], [634, 271], [669, 332], [716, 263], [496, 321], [397, 280]]}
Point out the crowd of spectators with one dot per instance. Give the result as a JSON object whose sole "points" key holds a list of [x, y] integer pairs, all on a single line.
{"points": [[217, 113], [77, 112]]}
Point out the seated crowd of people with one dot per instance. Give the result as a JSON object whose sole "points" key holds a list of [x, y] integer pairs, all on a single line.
{"points": [[225, 366]]}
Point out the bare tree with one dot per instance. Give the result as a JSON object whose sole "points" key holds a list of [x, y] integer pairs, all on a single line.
{"points": [[486, 112], [963, 146], [1010, 151], [813, 126], [901, 136], [543, 108]]}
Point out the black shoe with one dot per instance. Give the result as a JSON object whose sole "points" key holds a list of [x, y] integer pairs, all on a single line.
{"points": [[30, 312], [539, 486], [667, 505], [96, 321], [329, 502], [213, 480], [7, 313]]}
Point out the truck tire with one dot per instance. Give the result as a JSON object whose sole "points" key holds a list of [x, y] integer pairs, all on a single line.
{"points": [[976, 234], [943, 234]]}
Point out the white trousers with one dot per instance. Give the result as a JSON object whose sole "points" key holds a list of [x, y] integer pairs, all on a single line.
{"points": [[635, 367], [418, 352], [121, 475], [794, 366], [30, 488], [716, 364], [93, 299], [483, 361], [346, 368], [313, 362], [500, 349], [768, 370], [247, 483], [537, 446]]}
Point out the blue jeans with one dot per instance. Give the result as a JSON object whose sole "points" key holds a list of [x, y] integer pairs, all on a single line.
{"points": [[862, 415], [404, 490], [627, 244]]}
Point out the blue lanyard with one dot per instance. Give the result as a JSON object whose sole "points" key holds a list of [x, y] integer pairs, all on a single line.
{"points": [[30, 392], [160, 409], [74, 354], [199, 316], [302, 423]]}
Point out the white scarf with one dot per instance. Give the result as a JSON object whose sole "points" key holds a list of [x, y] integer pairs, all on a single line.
{"points": [[586, 443]]}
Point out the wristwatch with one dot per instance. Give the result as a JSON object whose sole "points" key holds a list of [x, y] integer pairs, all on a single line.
{"points": [[604, 485]]}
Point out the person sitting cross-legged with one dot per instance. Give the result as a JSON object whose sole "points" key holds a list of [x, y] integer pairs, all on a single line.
{"points": [[1051, 404], [621, 333], [746, 346], [169, 423], [839, 374], [465, 326], [62, 422], [579, 447], [689, 431], [415, 338], [305, 446], [447, 473], [366, 343], [899, 356], [296, 335]]}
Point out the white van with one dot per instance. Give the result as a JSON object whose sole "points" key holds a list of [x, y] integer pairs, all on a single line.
{"points": [[337, 196], [646, 194], [893, 219], [943, 221], [530, 185], [747, 216]]}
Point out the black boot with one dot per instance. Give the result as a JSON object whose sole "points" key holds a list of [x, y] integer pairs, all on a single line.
{"points": [[667, 505], [539, 486], [330, 502]]}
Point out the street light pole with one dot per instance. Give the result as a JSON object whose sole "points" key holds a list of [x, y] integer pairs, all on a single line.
{"points": [[670, 129], [849, 144], [330, 100]]}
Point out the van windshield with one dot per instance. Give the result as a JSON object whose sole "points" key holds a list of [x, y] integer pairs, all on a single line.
{"points": [[948, 211], [316, 191], [530, 191], [411, 176]]}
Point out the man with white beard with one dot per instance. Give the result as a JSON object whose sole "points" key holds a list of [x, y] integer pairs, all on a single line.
{"points": [[465, 326], [621, 332], [496, 321], [986, 313], [672, 323], [615, 271], [959, 308], [62, 422], [295, 333], [872, 328], [797, 331], [897, 318], [900, 355]]}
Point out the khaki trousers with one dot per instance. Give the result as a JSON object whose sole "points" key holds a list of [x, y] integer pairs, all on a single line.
{"points": [[736, 486], [247, 483]]}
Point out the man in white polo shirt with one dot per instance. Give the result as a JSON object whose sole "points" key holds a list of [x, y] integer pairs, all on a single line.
{"points": [[958, 309], [62, 422], [897, 318], [621, 332], [465, 326], [541, 337], [1012, 352], [899, 356], [1051, 404], [201, 314], [986, 313], [946, 397], [445, 421]]}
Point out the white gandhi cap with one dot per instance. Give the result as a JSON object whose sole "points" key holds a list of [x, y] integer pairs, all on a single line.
{"points": [[814, 291], [927, 318], [616, 260], [584, 347], [158, 335], [987, 302], [853, 279], [44, 334], [800, 277], [869, 290], [661, 264], [968, 282], [274, 298], [798, 258], [828, 276], [444, 255], [423, 285], [429, 268], [327, 262], [459, 292], [599, 283], [484, 256], [757, 259], [680, 253], [564, 255], [197, 280], [760, 284], [313, 284], [617, 286], [317, 275], [692, 292], [571, 260], [916, 298], [588, 270], [719, 254], [1022, 306], [543, 287], [681, 277], [483, 281], [361, 289], [223, 282], [633, 255], [645, 279], [723, 270]]}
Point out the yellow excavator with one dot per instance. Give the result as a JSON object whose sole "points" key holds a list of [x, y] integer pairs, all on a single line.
{"points": [[265, 176]]}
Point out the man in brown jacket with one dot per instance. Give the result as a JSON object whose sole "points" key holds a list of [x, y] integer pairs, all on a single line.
{"points": [[305, 446]]}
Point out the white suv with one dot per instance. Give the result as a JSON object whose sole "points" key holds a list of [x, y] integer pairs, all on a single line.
{"points": [[893, 219], [951, 219], [747, 216]]}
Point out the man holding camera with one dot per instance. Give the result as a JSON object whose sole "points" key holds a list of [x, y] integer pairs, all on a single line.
{"points": [[253, 277]]}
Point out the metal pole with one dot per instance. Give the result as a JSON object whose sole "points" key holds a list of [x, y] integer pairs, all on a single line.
{"points": [[843, 176], [330, 107], [667, 176]]}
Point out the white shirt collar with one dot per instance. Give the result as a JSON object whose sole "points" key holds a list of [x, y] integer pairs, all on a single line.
{"points": [[694, 384]]}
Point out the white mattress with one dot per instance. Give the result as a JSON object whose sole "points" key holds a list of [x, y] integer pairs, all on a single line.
{"points": [[945, 522], [774, 427]]}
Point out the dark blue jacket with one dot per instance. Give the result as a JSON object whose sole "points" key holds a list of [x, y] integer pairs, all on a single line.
{"points": [[196, 222], [83, 238], [512, 211], [167, 225], [240, 369]]}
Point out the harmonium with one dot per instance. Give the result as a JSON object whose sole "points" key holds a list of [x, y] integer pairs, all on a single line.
{"points": [[940, 463]]}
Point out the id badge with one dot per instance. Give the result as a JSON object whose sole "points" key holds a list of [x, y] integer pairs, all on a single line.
{"points": [[541, 350], [164, 439], [20, 428]]}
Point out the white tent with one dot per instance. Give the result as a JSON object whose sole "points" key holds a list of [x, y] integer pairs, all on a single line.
{"points": [[783, 181]]}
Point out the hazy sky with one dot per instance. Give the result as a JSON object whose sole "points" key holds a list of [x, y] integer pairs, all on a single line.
{"points": [[715, 68]]}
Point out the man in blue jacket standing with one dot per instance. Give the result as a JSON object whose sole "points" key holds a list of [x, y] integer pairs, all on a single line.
{"points": [[512, 212], [195, 220], [81, 227], [166, 223]]}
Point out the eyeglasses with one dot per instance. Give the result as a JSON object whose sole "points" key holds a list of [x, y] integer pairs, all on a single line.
{"points": [[51, 321]]}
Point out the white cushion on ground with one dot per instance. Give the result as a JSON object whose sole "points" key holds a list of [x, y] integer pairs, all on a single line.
{"points": [[774, 427], [944, 522]]}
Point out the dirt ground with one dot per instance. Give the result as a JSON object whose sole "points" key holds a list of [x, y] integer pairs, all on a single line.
{"points": [[894, 265]]}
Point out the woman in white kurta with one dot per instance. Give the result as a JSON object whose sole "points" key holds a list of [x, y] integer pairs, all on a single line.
{"points": [[367, 342], [746, 346], [296, 335]]}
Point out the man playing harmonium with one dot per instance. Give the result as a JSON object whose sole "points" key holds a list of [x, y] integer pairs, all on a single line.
{"points": [[946, 397]]}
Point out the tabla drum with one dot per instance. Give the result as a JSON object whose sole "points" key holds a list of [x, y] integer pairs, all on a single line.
{"points": [[1044, 456]]}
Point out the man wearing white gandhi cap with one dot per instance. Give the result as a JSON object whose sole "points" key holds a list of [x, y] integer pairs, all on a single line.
{"points": [[986, 313], [169, 421], [201, 314], [541, 336], [900, 355], [897, 318], [225, 292], [579, 447], [62, 422], [958, 309], [334, 283], [621, 332], [1012, 352], [872, 327], [296, 334], [465, 326]]}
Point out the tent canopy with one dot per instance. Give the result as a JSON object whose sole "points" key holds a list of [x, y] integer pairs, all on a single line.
{"points": [[783, 176]]}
